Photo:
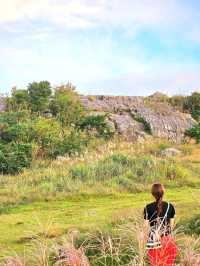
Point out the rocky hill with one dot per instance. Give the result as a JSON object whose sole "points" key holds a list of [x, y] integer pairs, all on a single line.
{"points": [[136, 118]]}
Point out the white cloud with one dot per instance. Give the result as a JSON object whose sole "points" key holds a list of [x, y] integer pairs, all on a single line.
{"points": [[129, 14], [169, 79]]}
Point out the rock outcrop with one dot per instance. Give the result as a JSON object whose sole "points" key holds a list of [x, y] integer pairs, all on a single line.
{"points": [[132, 116], [126, 126], [168, 152], [135, 118]]}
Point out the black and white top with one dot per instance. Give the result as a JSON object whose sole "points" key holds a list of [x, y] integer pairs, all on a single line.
{"points": [[150, 214]]}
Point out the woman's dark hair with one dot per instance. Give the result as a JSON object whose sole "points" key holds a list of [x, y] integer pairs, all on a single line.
{"points": [[157, 191]]}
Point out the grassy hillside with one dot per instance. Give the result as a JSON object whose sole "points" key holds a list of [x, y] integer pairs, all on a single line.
{"points": [[102, 188]]}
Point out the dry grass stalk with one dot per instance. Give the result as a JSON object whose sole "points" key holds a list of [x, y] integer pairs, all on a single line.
{"points": [[13, 261]]}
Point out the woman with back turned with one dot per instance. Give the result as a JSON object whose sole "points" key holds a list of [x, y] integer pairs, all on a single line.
{"points": [[159, 217]]}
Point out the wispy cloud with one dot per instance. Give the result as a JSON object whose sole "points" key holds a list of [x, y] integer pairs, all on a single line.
{"points": [[183, 80], [87, 13], [110, 46]]}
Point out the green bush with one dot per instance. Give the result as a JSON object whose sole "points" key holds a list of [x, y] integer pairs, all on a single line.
{"points": [[20, 132], [14, 157], [71, 144], [194, 132], [12, 118], [98, 123], [65, 105], [81, 172], [147, 126], [163, 146], [125, 183], [15, 127], [192, 104], [47, 134], [121, 159], [192, 226], [189, 104]]}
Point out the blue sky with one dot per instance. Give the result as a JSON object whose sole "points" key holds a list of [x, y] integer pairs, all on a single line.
{"points": [[129, 47]]}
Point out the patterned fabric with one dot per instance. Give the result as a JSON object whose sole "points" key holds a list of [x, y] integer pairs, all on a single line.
{"points": [[164, 256]]}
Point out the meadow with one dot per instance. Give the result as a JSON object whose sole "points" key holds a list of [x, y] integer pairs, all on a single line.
{"points": [[104, 188]]}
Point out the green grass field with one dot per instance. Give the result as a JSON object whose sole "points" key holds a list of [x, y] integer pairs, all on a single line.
{"points": [[24, 222], [90, 192]]}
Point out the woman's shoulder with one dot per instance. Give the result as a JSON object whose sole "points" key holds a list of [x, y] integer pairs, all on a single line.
{"points": [[167, 202], [150, 205], [171, 207]]}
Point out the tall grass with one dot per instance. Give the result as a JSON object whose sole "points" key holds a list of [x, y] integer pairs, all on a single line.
{"points": [[123, 245], [112, 168]]}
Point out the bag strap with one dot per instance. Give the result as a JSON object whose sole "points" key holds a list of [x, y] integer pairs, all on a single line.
{"points": [[164, 217]]}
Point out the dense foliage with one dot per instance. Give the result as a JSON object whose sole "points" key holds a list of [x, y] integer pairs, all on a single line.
{"points": [[96, 123], [194, 132], [46, 122], [189, 104], [14, 157], [65, 105]]}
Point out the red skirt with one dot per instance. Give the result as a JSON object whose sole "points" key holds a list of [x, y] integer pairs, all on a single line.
{"points": [[164, 256]]}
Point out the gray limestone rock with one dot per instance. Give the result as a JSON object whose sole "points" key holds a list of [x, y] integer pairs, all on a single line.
{"points": [[170, 152], [163, 120]]}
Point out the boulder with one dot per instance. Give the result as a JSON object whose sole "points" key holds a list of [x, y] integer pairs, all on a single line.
{"points": [[127, 127], [168, 152]]}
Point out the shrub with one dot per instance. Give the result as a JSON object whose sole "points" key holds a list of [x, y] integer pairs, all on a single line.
{"points": [[163, 146], [121, 159], [20, 132], [192, 104], [107, 169], [12, 118], [192, 226], [81, 172], [15, 127], [97, 122], [47, 133], [71, 144], [125, 183], [65, 105], [189, 104], [147, 126], [194, 132], [14, 157]]}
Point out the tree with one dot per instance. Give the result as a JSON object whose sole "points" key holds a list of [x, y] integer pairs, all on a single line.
{"points": [[192, 104], [19, 100], [194, 132], [39, 94], [65, 104]]}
